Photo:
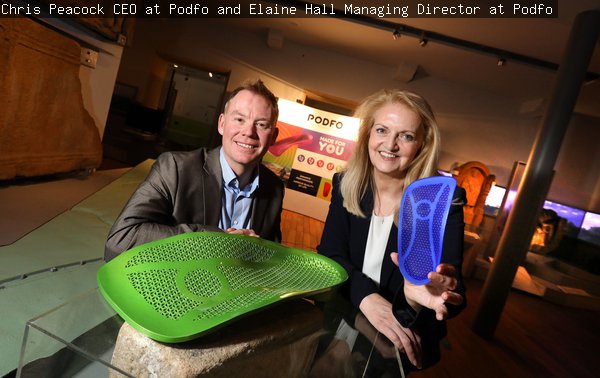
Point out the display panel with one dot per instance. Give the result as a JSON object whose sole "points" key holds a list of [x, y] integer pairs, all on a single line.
{"points": [[493, 202], [312, 145], [590, 228], [573, 216]]}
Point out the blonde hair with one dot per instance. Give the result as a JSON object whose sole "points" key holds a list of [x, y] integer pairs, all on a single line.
{"points": [[358, 174]]}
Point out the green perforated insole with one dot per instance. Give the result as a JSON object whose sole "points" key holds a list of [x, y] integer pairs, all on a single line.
{"points": [[181, 287]]}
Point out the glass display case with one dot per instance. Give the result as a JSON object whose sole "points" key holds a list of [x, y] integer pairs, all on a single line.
{"points": [[75, 339]]}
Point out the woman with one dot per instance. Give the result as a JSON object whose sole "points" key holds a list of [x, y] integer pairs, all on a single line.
{"points": [[398, 143]]}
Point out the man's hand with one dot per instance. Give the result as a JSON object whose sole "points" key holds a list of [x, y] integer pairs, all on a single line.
{"points": [[241, 231]]}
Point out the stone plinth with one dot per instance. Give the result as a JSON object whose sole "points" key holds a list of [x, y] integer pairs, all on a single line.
{"points": [[277, 342]]}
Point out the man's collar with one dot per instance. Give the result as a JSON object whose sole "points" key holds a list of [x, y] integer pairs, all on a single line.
{"points": [[229, 176]]}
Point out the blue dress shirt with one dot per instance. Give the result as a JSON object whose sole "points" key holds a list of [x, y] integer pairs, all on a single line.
{"points": [[236, 203]]}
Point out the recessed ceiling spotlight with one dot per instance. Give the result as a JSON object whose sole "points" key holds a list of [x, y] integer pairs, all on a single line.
{"points": [[423, 41], [501, 62]]}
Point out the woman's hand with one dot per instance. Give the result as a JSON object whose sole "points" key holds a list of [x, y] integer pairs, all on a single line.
{"points": [[379, 313], [382, 344], [434, 294]]}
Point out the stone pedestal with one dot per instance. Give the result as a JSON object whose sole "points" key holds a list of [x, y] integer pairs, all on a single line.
{"points": [[277, 342]]}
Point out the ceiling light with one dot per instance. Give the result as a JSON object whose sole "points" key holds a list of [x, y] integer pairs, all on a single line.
{"points": [[501, 62], [424, 35], [423, 41], [396, 34], [210, 74]]}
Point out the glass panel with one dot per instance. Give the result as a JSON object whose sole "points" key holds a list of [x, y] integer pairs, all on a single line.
{"points": [[75, 339]]}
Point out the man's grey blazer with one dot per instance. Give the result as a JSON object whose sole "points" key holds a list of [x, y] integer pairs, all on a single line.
{"points": [[182, 193]]}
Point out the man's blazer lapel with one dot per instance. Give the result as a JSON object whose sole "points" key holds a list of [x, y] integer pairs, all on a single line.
{"points": [[260, 207], [213, 186]]}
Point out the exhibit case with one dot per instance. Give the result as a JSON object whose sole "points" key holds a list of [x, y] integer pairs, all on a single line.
{"points": [[75, 339], [78, 338]]}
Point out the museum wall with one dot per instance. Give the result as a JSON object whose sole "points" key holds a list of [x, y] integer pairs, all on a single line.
{"points": [[475, 124]]}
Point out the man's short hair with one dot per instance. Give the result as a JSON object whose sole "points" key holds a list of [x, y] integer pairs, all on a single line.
{"points": [[259, 88]]}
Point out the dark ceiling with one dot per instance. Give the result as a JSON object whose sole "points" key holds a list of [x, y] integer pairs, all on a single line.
{"points": [[538, 40]]}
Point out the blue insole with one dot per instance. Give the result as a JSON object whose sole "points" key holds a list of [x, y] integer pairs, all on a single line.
{"points": [[421, 224]]}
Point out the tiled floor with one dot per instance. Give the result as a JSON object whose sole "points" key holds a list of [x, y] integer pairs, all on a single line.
{"points": [[300, 231]]}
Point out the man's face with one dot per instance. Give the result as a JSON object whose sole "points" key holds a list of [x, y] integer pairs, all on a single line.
{"points": [[247, 131]]}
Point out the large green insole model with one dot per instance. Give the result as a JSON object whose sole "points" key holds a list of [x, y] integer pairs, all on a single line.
{"points": [[179, 288]]}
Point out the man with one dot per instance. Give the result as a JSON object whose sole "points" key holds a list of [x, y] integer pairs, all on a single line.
{"points": [[225, 188]]}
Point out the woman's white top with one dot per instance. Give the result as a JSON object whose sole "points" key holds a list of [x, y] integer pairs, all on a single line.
{"points": [[379, 233]]}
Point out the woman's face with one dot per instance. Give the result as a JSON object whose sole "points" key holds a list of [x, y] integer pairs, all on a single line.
{"points": [[394, 140]]}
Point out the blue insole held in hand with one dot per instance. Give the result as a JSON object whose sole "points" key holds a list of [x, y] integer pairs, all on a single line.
{"points": [[421, 224]]}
